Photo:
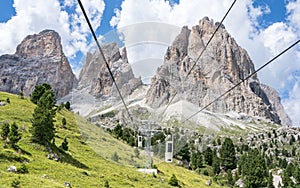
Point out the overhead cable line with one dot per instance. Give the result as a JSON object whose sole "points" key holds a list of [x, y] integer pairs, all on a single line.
{"points": [[222, 95], [198, 58], [102, 54]]}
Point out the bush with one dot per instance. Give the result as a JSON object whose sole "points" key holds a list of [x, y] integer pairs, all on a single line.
{"points": [[23, 169], [64, 122], [68, 105], [173, 181], [64, 145], [16, 183], [106, 184], [205, 172], [115, 157]]}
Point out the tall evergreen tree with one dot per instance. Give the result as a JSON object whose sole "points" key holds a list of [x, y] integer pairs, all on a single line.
{"points": [[230, 178], [254, 169], [208, 156], [270, 181], [216, 165], [14, 136], [196, 160], [227, 154], [4, 132], [39, 91], [43, 130]]}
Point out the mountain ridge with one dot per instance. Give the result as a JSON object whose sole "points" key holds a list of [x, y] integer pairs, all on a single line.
{"points": [[40, 58]]}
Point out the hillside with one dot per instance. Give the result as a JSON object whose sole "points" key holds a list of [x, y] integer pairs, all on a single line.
{"points": [[80, 165]]}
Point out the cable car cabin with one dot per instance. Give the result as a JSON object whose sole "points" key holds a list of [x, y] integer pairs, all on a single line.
{"points": [[169, 152], [140, 141]]}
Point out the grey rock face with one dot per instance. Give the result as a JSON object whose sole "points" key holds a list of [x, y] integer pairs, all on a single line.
{"points": [[275, 101], [38, 59], [95, 74], [221, 66]]}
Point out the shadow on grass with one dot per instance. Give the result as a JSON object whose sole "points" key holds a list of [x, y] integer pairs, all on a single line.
{"points": [[64, 157], [9, 155]]}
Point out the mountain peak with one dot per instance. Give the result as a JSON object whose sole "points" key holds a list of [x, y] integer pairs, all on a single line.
{"points": [[45, 44], [39, 58], [223, 64]]}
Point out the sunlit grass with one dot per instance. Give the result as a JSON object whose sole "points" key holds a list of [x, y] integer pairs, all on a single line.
{"points": [[83, 164]]}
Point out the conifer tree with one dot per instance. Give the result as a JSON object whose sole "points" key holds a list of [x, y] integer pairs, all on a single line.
{"points": [[64, 145], [227, 154], [14, 136], [4, 132], [270, 181], [43, 130], [208, 156]]}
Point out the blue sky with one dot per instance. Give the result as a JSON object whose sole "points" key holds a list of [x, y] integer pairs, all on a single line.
{"points": [[262, 27]]}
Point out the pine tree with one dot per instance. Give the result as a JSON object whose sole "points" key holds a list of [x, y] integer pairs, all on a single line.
{"points": [[270, 181], [64, 145], [38, 92], [216, 165], [64, 121], [173, 181], [106, 184], [68, 105], [4, 132], [254, 169], [43, 130], [230, 178], [14, 136], [227, 154], [208, 156], [196, 160]]}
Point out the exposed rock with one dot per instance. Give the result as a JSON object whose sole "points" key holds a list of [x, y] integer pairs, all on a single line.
{"points": [[95, 74], [220, 67], [38, 59], [2, 103], [275, 101], [12, 169]]}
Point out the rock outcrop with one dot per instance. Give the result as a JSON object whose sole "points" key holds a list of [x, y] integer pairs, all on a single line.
{"points": [[38, 59], [221, 66], [275, 101], [94, 73]]}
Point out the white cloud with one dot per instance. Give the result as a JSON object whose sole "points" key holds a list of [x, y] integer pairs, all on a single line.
{"points": [[292, 104], [34, 16], [242, 23]]}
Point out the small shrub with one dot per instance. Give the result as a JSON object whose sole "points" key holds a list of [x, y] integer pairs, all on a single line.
{"points": [[205, 172], [23, 169], [16, 183], [64, 122], [8, 100], [173, 181], [115, 157], [68, 105], [64, 145], [106, 184], [21, 95]]}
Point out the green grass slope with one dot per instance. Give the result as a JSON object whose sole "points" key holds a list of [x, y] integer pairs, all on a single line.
{"points": [[81, 165]]}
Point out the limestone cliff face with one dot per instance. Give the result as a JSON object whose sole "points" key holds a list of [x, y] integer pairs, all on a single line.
{"points": [[95, 74], [222, 65], [275, 101], [38, 59]]}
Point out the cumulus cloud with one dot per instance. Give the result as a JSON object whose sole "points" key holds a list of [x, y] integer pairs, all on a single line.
{"points": [[242, 23], [292, 104], [33, 16]]}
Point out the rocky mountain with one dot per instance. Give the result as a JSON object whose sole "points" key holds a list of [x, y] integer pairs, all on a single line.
{"points": [[275, 101], [38, 59], [222, 65], [95, 75]]}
